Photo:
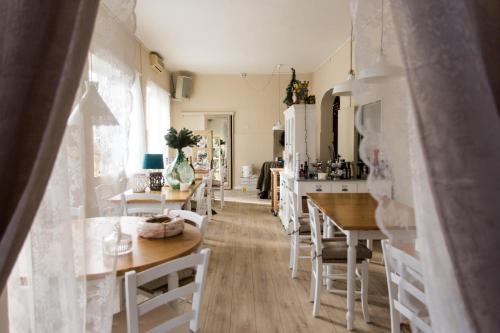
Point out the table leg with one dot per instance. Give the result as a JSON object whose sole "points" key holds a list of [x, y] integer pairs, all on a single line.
{"points": [[352, 242]]}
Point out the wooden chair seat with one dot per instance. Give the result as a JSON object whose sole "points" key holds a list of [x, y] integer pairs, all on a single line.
{"points": [[335, 251]]}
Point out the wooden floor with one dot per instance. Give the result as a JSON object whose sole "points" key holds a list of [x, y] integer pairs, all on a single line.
{"points": [[249, 288]]}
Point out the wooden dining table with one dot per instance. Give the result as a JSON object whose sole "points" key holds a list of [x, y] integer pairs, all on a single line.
{"points": [[146, 253], [174, 199], [354, 215]]}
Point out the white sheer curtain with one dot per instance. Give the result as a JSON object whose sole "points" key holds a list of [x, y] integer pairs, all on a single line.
{"points": [[158, 117], [407, 211], [48, 290], [137, 133]]}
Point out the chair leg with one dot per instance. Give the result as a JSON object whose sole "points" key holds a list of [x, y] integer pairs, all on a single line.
{"points": [[313, 265], [291, 252], [209, 205], [296, 250], [364, 291], [222, 197], [318, 284]]}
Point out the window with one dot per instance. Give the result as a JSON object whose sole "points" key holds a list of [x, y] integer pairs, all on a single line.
{"points": [[158, 117]]}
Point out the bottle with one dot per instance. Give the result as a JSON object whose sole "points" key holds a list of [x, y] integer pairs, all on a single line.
{"points": [[343, 169], [301, 171], [306, 170]]}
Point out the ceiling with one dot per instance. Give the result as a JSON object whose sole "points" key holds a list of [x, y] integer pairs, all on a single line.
{"points": [[235, 36]]}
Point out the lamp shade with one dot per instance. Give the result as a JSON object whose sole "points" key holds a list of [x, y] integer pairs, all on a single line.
{"points": [[344, 88], [381, 70], [153, 161]]}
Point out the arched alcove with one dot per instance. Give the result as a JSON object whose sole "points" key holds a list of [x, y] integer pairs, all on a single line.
{"points": [[337, 127], [329, 126]]}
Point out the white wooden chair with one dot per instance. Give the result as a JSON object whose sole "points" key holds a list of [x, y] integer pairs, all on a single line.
{"points": [[220, 185], [209, 192], [103, 193], [200, 221], [153, 314], [300, 234], [199, 198], [333, 251], [405, 284], [134, 208], [160, 285]]}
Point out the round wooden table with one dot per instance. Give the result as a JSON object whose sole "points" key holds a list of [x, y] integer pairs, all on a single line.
{"points": [[145, 254]]}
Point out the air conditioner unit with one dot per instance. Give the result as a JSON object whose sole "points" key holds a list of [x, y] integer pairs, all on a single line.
{"points": [[156, 62], [183, 87]]}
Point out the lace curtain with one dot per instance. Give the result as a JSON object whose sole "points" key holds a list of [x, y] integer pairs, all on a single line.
{"points": [[436, 117], [158, 117], [137, 133], [48, 290]]}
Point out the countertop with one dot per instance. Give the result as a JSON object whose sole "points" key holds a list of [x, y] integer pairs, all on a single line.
{"points": [[329, 180]]}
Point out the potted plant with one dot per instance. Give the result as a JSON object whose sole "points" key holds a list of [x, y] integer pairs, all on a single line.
{"points": [[179, 171]]}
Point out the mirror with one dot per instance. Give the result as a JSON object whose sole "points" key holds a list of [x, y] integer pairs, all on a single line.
{"points": [[221, 127]]}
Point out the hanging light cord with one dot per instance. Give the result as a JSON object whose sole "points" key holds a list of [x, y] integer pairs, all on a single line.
{"points": [[279, 89], [351, 71], [382, 30]]}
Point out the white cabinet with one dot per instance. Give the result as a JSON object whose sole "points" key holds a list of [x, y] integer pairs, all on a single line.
{"points": [[300, 129]]}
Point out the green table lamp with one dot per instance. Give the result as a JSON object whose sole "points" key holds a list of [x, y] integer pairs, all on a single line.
{"points": [[154, 161]]}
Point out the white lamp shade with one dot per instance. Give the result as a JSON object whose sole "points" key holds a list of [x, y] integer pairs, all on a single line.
{"points": [[344, 88], [381, 70], [96, 108]]}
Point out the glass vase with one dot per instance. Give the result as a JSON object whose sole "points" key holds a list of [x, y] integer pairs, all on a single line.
{"points": [[179, 171]]}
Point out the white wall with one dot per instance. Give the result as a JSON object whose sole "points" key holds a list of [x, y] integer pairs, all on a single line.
{"points": [[256, 108]]}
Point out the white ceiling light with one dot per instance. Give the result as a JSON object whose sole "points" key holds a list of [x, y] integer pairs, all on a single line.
{"points": [[345, 88], [381, 69], [277, 125]]}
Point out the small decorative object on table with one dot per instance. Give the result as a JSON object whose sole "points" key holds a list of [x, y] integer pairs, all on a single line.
{"points": [[160, 226], [179, 171], [156, 181], [155, 162], [139, 182], [117, 243]]}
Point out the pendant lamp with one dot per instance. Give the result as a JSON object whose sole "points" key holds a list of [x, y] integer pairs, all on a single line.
{"points": [[94, 107], [345, 88], [381, 69], [277, 125]]}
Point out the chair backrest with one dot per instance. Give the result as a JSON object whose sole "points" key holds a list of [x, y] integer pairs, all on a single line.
{"points": [[315, 224], [103, 192], [292, 210], [199, 220], [134, 280], [142, 207], [208, 180], [199, 197], [406, 287]]}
